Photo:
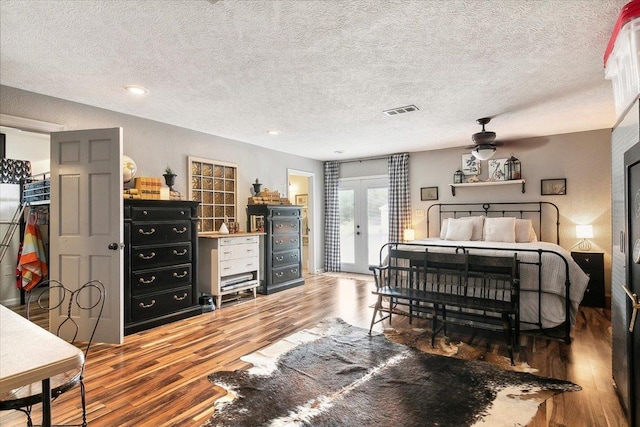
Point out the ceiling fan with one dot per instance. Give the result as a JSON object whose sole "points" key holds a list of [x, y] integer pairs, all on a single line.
{"points": [[484, 141]]}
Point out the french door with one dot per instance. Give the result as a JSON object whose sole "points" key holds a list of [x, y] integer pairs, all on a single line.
{"points": [[364, 222]]}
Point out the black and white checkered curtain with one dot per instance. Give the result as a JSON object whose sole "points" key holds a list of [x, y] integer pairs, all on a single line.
{"points": [[331, 217], [399, 196]]}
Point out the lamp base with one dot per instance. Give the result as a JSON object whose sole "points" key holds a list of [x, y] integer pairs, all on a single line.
{"points": [[584, 245]]}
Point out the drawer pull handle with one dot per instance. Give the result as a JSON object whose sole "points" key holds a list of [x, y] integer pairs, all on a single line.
{"points": [[181, 212], [279, 225], [294, 256], [180, 276], [182, 230], [146, 282], [294, 271], [143, 305], [293, 240], [184, 251], [150, 256], [177, 298], [141, 231], [293, 225], [279, 242], [228, 252], [279, 258], [145, 213], [280, 274]]}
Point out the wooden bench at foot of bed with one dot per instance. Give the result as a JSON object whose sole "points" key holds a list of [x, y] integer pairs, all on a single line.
{"points": [[475, 290]]}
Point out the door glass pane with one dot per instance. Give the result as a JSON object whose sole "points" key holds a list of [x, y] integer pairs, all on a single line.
{"points": [[347, 225], [377, 222]]}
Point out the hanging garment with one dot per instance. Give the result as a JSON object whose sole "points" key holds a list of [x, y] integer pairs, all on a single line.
{"points": [[32, 263]]}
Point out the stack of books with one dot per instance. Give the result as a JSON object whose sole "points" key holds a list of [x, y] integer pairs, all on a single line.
{"points": [[130, 193], [148, 187]]}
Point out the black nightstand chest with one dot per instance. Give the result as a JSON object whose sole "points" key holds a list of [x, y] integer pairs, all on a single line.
{"points": [[592, 263]]}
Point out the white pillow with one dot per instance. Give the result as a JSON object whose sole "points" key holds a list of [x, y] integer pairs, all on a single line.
{"points": [[459, 229], [477, 221], [500, 230], [478, 225], [443, 229], [524, 231]]}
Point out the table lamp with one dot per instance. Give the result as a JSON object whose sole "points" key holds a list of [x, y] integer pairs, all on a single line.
{"points": [[584, 232]]}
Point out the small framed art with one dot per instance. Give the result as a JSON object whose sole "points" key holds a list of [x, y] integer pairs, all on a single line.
{"points": [[302, 199], [470, 165], [553, 187], [429, 193]]}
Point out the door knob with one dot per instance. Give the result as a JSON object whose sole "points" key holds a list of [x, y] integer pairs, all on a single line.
{"points": [[113, 246], [635, 305]]}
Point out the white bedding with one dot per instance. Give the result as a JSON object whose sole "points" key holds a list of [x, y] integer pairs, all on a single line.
{"points": [[552, 306]]}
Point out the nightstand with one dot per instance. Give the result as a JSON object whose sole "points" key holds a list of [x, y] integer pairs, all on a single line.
{"points": [[592, 263]]}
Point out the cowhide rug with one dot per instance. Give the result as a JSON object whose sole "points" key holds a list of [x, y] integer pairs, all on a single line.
{"points": [[337, 375]]}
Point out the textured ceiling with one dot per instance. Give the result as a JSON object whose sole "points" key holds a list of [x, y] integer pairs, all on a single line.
{"points": [[322, 72]]}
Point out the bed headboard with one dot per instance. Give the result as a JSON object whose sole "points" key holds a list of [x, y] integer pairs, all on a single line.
{"points": [[545, 216]]}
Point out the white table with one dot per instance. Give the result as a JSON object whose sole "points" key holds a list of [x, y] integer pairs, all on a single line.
{"points": [[29, 353]]}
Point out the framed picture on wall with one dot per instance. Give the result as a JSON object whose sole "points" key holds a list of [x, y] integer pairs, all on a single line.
{"points": [[496, 169], [429, 193], [302, 199], [470, 165], [553, 187]]}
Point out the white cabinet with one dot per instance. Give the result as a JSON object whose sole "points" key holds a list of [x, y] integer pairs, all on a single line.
{"points": [[228, 264]]}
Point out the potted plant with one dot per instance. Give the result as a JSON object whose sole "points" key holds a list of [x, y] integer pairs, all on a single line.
{"points": [[169, 177]]}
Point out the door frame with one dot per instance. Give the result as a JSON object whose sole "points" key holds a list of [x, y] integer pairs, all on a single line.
{"points": [[313, 215]]}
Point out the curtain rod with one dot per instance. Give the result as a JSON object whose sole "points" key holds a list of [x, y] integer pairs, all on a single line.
{"points": [[366, 159]]}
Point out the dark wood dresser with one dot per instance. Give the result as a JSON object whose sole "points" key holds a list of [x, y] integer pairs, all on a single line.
{"points": [[161, 256], [281, 254]]}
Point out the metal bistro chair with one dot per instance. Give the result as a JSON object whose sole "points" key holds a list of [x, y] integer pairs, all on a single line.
{"points": [[90, 297]]}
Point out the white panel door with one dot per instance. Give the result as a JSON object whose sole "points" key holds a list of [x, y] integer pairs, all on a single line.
{"points": [[86, 222]]}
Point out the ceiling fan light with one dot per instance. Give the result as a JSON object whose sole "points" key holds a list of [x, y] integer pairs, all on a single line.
{"points": [[483, 153]]}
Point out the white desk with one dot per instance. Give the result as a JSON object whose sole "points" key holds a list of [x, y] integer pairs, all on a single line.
{"points": [[29, 353]]}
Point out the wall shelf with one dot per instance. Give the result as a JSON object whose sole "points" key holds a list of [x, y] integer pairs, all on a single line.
{"points": [[482, 184]]}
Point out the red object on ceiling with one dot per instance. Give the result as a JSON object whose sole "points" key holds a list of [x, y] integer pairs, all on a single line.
{"points": [[627, 13]]}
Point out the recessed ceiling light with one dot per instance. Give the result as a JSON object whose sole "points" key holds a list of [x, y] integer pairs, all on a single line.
{"points": [[136, 90], [273, 132]]}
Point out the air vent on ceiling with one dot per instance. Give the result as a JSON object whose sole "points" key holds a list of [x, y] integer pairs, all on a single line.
{"points": [[401, 110]]}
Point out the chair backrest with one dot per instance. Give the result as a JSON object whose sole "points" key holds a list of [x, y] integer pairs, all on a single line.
{"points": [[89, 297]]}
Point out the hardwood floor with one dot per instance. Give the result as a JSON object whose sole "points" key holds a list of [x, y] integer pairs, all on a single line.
{"points": [[159, 377]]}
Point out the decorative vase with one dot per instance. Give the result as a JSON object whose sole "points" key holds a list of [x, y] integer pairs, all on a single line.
{"points": [[257, 187], [170, 180]]}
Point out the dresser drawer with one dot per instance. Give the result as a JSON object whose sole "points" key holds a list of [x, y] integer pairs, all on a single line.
{"points": [[275, 213], [285, 242], [158, 256], [589, 261], [154, 232], [175, 213], [231, 241], [236, 266], [245, 250], [146, 281], [284, 274], [160, 303], [280, 259], [285, 226]]}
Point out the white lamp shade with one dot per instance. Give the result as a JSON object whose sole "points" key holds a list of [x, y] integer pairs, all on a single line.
{"points": [[483, 153], [409, 234], [584, 231]]}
